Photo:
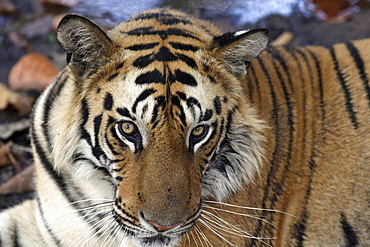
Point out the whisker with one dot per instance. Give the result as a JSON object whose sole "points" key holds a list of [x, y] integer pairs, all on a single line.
{"points": [[117, 229], [110, 234], [224, 226], [215, 232], [248, 208], [192, 235], [73, 229], [103, 230], [89, 232], [57, 211], [187, 238], [201, 236], [241, 214], [123, 234], [227, 228]]}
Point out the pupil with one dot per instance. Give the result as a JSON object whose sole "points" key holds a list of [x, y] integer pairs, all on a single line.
{"points": [[127, 127]]}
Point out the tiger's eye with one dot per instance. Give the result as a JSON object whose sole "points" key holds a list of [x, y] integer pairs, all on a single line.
{"points": [[198, 131], [128, 128]]}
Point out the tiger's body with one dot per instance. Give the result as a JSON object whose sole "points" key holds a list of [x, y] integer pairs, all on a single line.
{"points": [[153, 136]]}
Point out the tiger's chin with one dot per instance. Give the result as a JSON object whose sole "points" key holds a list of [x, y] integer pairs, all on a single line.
{"points": [[156, 241]]}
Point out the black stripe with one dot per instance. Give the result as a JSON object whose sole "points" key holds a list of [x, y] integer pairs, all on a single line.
{"points": [[320, 82], [143, 96], [47, 166], [212, 79], [221, 131], [162, 33], [191, 101], [119, 140], [96, 150], [119, 66], [164, 18], [108, 102], [45, 222], [184, 47], [150, 77], [185, 78], [164, 55], [188, 60], [279, 185], [143, 61], [299, 231], [220, 160], [85, 111], [276, 53], [160, 102], [251, 77], [345, 88], [124, 112], [176, 102], [142, 46], [361, 68], [15, 235], [207, 115], [217, 105], [350, 236], [139, 31], [112, 77], [291, 119], [274, 162], [48, 104]]}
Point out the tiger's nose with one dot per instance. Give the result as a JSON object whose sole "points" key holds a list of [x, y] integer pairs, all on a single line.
{"points": [[161, 228]]}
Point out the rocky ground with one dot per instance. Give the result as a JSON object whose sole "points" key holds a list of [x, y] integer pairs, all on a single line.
{"points": [[28, 26]]}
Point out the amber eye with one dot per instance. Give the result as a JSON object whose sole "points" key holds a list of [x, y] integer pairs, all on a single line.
{"points": [[198, 131], [197, 135], [129, 131], [128, 128]]}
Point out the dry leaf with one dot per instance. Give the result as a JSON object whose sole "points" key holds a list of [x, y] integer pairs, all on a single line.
{"points": [[4, 159], [21, 103], [8, 156], [32, 71], [7, 7], [20, 183], [67, 3], [333, 11]]}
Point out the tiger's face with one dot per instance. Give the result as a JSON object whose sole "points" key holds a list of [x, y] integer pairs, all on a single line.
{"points": [[167, 118]]}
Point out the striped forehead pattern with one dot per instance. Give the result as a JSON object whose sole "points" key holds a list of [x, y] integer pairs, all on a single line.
{"points": [[163, 60]]}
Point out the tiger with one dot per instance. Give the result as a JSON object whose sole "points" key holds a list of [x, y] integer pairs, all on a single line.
{"points": [[165, 132]]}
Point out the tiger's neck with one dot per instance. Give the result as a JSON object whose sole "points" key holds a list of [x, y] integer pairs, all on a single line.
{"points": [[287, 90]]}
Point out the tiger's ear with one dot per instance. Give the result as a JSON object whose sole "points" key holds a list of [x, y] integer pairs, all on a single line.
{"points": [[84, 42], [237, 49]]}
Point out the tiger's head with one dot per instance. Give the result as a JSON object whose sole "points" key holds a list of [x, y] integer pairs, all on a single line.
{"points": [[162, 122]]}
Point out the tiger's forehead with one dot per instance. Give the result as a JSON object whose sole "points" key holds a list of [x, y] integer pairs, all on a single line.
{"points": [[162, 60], [161, 25]]}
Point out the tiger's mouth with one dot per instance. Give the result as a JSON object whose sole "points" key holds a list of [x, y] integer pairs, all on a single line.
{"points": [[157, 241], [144, 235]]}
